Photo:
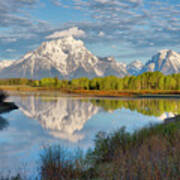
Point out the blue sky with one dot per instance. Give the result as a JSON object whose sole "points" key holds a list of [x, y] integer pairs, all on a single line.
{"points": [[125, 29]]}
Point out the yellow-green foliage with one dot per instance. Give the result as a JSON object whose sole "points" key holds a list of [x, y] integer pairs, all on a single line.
{"points": [[145, 81], [150, 107]]}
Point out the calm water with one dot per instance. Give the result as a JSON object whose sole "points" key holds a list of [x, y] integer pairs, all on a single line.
{"points": [[71, 122]]}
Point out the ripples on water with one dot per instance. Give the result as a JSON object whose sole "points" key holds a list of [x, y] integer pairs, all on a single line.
{"points": [[71, 122]]}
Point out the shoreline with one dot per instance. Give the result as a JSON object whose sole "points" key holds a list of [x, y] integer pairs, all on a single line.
{"points": [[25, 90]]}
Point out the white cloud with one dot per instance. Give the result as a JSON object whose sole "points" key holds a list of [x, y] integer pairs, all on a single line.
{"points": [[10, 50], [8, 40], [101, 34], [74, 31], [56, 2], [136, 1], [101, 1]]}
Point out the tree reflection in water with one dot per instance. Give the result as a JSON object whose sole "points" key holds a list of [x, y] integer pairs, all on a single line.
{"points": [[4, 108], [3, 123], [146, 106]]}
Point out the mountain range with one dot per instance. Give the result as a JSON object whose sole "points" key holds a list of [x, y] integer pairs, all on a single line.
{"points": [[68, 58]]}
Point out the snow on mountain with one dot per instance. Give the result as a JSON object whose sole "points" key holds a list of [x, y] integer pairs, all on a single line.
{"points": [[135, 67], [65, 58], [55, 115], [109, 66], [165, 61], [68, 58]]}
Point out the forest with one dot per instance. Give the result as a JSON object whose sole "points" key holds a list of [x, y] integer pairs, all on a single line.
{"points": [[145, 81]]}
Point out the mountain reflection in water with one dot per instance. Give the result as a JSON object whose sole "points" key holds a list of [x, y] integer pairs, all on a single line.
{"points": [[70, 114], [65, 117], [62, 117]]}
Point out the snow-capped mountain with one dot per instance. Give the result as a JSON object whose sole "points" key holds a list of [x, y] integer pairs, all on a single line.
{"points": [[165, 61], [68, 58], [135, 67], [65, 58]]}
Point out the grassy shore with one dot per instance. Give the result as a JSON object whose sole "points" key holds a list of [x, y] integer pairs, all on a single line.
{"points": [[128, 93], [93, 93], [25, 88]]}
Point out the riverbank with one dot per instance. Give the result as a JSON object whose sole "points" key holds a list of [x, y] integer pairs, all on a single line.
{"points": [[126, 93], [93, 93]]}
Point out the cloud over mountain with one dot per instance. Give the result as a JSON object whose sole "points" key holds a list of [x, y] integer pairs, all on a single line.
{"points": [[74, 31]]}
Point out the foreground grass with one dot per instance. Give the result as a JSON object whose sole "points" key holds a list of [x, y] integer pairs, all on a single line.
{"points": [[151, 153]]}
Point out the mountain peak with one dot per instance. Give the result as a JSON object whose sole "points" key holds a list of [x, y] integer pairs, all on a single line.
{"points": [[166, 61], [164, 51], [134, 67], [68, 42]]}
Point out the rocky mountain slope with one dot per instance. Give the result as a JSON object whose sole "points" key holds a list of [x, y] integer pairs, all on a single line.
{"points": [[135, 67], [165, 61]]}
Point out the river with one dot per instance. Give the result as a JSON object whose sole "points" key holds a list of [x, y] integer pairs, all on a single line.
{"points": [[71, 122]]}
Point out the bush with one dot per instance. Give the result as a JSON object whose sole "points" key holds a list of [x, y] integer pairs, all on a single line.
{"points": [[151, 153], [57, 163]]}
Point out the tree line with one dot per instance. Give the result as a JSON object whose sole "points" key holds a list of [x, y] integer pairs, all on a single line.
{"points": [[145, 81]]}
